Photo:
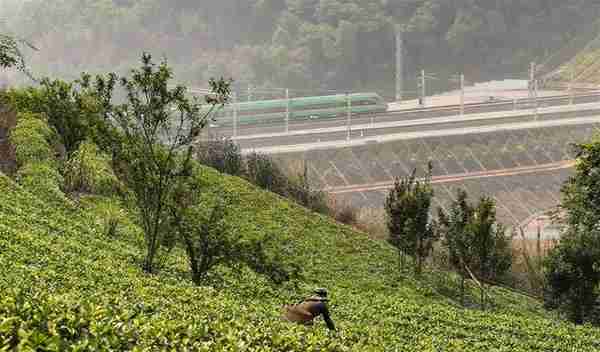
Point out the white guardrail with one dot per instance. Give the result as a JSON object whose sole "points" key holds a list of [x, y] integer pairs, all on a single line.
{"points": [[334, 144]]}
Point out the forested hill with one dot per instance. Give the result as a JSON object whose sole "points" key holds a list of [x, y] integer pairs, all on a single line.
{"points": [[338, 44]]}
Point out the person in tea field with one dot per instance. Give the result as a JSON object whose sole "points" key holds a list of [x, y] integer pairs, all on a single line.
{"points": [[310, 308]]}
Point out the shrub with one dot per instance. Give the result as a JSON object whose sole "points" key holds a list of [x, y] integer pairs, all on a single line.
{"points": [[347, 215], [73, 109], [89, 171], [32, 138], [344, 213], [299, 189], [223, 155], [264, 172], [43, 179], [111, 215], [38, 168]]}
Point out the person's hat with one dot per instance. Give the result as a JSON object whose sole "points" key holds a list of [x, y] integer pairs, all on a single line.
{"points": [[321, 292]]}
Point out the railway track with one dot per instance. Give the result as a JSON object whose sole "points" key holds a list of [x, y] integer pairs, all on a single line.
{"points": [[379, 186], [410, 114]]}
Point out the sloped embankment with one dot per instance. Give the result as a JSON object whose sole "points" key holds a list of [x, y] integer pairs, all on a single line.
{"points": [[65, 285]]}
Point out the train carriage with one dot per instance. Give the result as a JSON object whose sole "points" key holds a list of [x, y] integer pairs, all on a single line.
{"points": [[319, 107]]}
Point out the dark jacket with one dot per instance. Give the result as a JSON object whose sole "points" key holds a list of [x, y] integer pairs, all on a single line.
{"points": [[305, 311]]}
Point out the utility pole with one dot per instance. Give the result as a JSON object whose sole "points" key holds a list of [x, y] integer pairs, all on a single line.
{"points": [[459, 78], [235, 113], [423, 90], [249, 92], [533, 94], [399, 62], [531, 79], [462, 94], [349, 113], [287, 110]]}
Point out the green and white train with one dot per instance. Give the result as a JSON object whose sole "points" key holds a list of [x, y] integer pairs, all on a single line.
{"points": [[307, 108]]}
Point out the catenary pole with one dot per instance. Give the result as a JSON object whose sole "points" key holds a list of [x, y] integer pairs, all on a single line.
{"points": [[399, 62], [423, 90], [349, 116], [235, 113], [287, 110], [462, 94]]}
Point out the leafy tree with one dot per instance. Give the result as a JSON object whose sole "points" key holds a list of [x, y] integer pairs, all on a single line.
{"points": [[209, 241], [408, 207], [573, 266], [157, 125], [476, 243], [454, 230]]}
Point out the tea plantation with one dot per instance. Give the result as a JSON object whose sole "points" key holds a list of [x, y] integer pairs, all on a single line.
{"points": [[67, 286]]}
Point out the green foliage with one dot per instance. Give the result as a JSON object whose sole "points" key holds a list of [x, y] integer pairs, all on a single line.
{"points": [[300, 190], [70, 107], [38, 167], [408, 206], [112, 218], [223, 155], [65, 286], [42, 178], [157, 127], [210, 241], [476, 243], [89, 171], [573, 266], [32, 139], [573, 276], [262, 171]]}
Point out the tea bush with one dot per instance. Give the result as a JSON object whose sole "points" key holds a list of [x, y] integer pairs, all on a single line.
{"points": [[33, 141], [32, 138], [66, 286], [89, 171]]}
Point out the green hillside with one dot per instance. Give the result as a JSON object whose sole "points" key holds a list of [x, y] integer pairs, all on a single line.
{"points": [[65, 286]]}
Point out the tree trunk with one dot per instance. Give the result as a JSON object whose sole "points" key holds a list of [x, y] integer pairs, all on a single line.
{"points": [[482, 288], [149, 260], [418, 258], [462, 290]]}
